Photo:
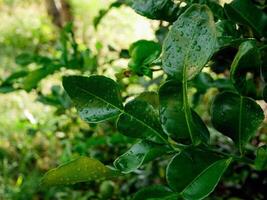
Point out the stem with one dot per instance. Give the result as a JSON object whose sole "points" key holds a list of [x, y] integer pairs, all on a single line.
{"points": [[235, 157]]}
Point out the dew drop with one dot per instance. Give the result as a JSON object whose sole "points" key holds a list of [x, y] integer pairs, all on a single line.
{"points": [[198, 48]]}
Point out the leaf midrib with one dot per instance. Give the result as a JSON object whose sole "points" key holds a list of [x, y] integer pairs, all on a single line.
{"points": [[204, 171], [123, 112]]}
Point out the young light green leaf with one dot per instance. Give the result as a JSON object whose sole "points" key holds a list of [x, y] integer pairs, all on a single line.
{"points": [[79, 170], [31, 80], [140, 153], [178, 120], [156, 9], [247, 59], [261, 158], [156, 192], [96, 98], [190, 43], [246, 13], [195, 173], [236, 116], [140, 120]]}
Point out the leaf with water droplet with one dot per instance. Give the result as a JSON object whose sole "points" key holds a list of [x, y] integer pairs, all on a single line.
{"points": [[140, 120], [177, 119], [156, 9], [97, 98], [79, 170], [195, 49], [140, 153], [236, 116]]}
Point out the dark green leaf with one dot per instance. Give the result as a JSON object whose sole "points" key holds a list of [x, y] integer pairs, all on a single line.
{"points": [[261, 158], [177, 118], [195, 173], [236, 116], [14, 77], [156, 9], [202, 82], [156, 192], [141, 120], [7, 89], [138, 154], [246, 60], [227, 33], [246, 13], [96, 98], [79, 170], [143, 53], [25, 59], [151, 97], [190, 43]]}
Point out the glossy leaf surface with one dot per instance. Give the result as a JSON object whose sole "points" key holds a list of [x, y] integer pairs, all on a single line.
{"points": [[96, 98], [195, 173], [236, 116], [156, 192], [246, 13], [227, 33], [79, 170], [151, 97], [141, 120], [177, 118], [138, 154], [246, 60], [143, 53], [156, 9], [190, 43]]}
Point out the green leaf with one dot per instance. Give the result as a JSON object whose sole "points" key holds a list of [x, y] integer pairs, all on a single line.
{"points": [[195, 173], [143, 53], [156, 9], [247, 59], [236, 116], [102, 13], [178, 120], [15, 76], [261, 158], [151, 97], [33, 78], [96, 98], [156, 192], [79, 170], [227, 33], [246, 13], [190, 43], [141, 120], [24, 59], [140, 153]]}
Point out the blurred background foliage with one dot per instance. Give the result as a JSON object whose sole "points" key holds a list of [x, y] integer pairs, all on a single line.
{"points": [[40, 130], [35, 136]]}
